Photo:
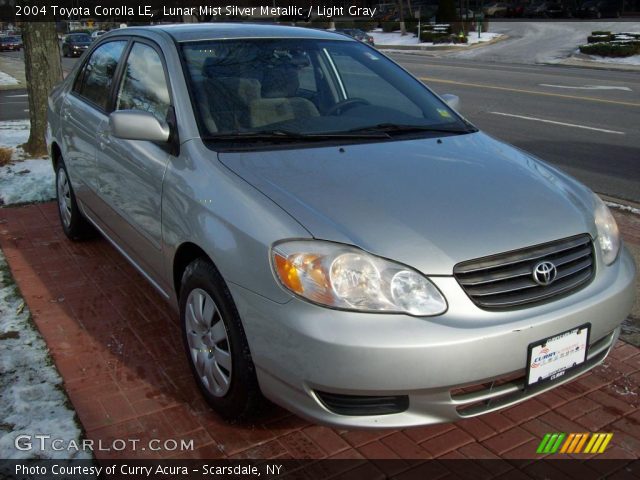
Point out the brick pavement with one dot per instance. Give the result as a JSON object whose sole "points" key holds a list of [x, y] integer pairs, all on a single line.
{"points": [[109, 335]]}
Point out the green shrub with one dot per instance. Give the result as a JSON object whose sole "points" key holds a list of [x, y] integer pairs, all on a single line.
{"points": [[611, 49], [600, 32], [599, 38], [390, 26], [435, 37]]}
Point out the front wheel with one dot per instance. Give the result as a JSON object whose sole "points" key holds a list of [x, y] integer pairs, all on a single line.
{"points": [[74, 225], [216, 345]]}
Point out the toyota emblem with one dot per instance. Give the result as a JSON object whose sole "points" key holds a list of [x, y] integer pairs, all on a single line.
{"points": [[544, 273]]}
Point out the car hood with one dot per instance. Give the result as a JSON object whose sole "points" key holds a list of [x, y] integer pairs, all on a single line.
{"points": [[428, 203]]}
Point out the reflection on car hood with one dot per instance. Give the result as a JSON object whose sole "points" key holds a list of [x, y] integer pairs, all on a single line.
{"points": [[420, 202]]}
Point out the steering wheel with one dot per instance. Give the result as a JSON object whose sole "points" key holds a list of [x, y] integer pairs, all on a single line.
{"points": [[340, 107]]}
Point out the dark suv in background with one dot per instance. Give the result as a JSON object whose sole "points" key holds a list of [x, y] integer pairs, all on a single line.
{"points": [[75, 44]]}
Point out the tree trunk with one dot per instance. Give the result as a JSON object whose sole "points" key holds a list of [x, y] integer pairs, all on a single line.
{"points": [[403, 27], [43, 70]]}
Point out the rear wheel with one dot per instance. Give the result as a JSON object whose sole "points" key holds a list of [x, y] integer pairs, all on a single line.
{"points": [[216, 345], [74, 225]]}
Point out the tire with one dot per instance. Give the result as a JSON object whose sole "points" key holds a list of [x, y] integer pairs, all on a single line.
{"points": [[74, 225], [216, 345]]}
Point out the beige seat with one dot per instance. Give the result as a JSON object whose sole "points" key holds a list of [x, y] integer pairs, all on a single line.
{"points": [[278, 101], [266, 111]]}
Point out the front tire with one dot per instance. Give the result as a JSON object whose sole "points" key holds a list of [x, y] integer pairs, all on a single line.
{"points": [[216, 345], [74, 225]]}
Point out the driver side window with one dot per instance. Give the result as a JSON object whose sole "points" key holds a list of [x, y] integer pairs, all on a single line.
{"points": [[144, 86]]}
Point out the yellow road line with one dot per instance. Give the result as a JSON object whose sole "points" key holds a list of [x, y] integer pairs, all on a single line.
{"points": [[530, 92]]}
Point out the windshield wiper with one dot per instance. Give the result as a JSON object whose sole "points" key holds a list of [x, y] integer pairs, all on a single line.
{"points": [[286, 135], [400, 128]]}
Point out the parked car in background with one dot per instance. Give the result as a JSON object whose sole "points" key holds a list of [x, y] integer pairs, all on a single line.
{"points": [[10, 43], [599, 9], [498, 9], [75, 44], [357, 34], [330, 231], [547, 9], [516, 10], [97, 33]]}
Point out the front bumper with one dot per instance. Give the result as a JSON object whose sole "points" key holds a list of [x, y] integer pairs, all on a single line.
{"points": [[299, 349]]}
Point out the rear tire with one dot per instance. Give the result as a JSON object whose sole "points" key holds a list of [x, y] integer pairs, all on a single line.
{"points": [[216, 345], [74, 225]]}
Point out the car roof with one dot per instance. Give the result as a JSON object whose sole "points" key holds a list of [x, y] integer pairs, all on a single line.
{"points": [[184, 32]]}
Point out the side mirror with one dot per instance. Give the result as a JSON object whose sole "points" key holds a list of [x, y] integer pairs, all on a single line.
{"points": [[452, 100], [138, 125]]}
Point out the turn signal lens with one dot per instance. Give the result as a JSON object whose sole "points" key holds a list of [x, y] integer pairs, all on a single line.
{"points": [[288, 274]]}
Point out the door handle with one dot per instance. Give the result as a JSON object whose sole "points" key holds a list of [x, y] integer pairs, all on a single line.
{"points": [[103, 139]]}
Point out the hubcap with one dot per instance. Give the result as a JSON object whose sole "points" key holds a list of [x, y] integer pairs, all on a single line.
{"points": [[64, 197], [208, 342]]}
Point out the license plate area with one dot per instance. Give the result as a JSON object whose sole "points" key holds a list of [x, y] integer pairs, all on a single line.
{"points": [[551, 358]]}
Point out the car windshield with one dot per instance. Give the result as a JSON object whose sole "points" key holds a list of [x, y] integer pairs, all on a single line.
{"points": [[80, 38], [292, 88]]}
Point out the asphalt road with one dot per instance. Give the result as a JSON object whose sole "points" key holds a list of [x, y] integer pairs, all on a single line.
{"points": [[585, 121], [548, 41]]}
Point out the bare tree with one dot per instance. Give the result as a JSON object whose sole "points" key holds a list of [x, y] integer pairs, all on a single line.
{"points": [[403, 27], [43, 70]]}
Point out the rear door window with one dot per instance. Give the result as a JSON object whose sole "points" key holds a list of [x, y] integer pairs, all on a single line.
{"points": [[96, 77]]}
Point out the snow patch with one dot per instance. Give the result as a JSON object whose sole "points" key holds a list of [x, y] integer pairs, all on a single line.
{"points": [[33, 401], [23, 180], [626, 208], [6, 79], [631, 60], [396, 38]]}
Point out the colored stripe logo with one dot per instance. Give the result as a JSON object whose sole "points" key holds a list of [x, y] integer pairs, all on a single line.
{"points": [[574, 443]]}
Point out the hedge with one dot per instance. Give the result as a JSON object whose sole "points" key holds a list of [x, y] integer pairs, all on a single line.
{"points": [[605, 49]]}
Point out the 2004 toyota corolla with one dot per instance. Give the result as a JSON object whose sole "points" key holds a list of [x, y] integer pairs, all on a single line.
{"points": [[334, 235]]}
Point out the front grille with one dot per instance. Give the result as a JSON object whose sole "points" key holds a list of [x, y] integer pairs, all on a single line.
{"points": [[506, 280], [363, 404]]}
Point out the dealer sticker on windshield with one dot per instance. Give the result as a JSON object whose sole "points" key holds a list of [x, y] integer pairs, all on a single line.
{"points": [[551, 358]]}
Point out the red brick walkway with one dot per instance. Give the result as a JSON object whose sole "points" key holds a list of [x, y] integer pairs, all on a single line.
{"points": [[117, 347]]}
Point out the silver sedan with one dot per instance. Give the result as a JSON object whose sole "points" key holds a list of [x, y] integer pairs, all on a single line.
{"points": [[333, 234]]}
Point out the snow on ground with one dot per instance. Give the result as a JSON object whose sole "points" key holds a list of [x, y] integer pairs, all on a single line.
{"points": [[632, 60], [23, 180], [396, 38], [33, 401], [6, 79]]}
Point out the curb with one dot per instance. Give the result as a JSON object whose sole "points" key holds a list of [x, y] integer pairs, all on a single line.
{"points": [[575, 61], [628, 206]]}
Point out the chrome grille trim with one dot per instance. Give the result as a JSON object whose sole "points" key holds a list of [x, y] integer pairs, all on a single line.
{"points": [[506, 280]]}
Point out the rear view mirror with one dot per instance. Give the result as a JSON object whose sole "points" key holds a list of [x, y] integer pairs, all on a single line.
{"points": [[138, 125], [452, 100]]}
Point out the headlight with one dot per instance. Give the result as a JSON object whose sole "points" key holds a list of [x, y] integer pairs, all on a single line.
{"points": [[608, 233], [344, 277]]}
